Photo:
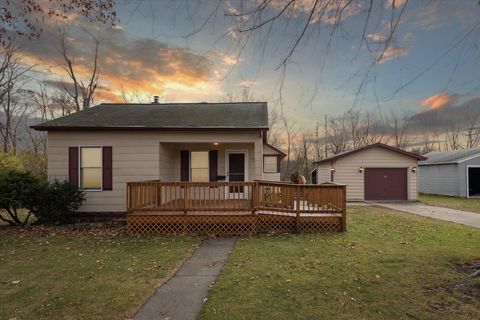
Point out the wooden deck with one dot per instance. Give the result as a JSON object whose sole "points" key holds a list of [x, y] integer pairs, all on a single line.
{"points": [[234, 208]]}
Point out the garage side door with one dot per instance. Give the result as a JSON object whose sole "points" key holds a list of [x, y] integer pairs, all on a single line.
{"points": [[385, 184]]}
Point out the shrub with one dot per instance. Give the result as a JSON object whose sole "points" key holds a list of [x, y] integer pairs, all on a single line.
{"points": [[49, 202], [17, 189], [55, 202], [9, 162], [36, 163]]}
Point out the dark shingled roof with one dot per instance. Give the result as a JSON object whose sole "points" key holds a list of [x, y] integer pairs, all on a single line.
{"points": [[169, 116], [448, 157], [374, 145]]}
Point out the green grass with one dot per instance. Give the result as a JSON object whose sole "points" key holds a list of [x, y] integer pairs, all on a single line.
{"points": [[53, 273], [472, 205], [387, 266]]}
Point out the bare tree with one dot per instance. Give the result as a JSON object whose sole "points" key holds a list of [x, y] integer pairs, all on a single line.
{"points": [[472, 132], [11, 85], [338, 135], [24, 18], [81, 90], [265, 15], [14, 112], [318, 143], [453, 136], [290, 131], [399, 129], [428, 144], [302, 151], [274, 134], [354, 126], [133, 96]]}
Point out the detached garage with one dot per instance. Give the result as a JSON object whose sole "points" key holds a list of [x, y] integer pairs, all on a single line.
{"points": [[451, 173], [374, 172]]}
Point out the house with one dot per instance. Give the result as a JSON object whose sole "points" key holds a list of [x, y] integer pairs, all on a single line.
{"points": [[452, 173], [103, 148], [374, 172]]}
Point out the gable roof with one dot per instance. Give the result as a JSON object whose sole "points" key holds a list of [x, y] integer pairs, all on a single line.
{"points": [[169, 116], [450, 157], [280, 152], [375, 145]]}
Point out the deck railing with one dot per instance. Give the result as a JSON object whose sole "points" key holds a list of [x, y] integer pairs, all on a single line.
{"points": [[255, 197], [297, 198], [190, 196]]}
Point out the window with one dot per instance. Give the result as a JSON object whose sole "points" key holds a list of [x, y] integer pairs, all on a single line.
{"points": [[270, 164], [91, 168], [199, 166]]}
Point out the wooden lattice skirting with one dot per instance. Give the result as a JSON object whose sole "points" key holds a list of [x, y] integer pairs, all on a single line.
{"points": [[223, 225]]}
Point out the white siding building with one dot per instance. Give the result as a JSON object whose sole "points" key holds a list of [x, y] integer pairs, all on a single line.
{"points": [[452, 173]]}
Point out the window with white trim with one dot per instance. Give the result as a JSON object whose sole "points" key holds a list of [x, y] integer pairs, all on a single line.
{"points": [[270, 164], [199, 166], [91, 168]]}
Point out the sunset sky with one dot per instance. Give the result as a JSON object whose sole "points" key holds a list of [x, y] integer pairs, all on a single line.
{"points": [[433, 62]]}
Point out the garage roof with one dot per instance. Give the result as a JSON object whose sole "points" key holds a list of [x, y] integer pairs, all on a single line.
{"points": [[375, 145], [450, 157], [171, 116]]}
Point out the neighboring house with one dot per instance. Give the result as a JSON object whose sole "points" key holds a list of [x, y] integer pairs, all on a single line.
{"points": [[453, 173], [374, 172], [102, 148]]}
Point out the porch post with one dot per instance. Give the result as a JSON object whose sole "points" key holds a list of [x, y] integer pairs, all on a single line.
{"points": [[344, 208], [258, 155], [297, 207]]}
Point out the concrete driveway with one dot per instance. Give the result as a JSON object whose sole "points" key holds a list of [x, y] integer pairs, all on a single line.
{"points": [[440, 213]]}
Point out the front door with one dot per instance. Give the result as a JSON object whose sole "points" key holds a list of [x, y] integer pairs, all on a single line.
{"points": [[236, 170]]}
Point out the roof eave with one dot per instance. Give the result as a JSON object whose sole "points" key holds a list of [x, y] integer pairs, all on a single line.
{"points": [[380, 145], [282, 154], [436, 163], [87, 128]]}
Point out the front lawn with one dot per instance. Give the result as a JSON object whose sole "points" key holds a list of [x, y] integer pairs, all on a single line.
{"points": [[464, 204], [388, 265], [91, 273]]}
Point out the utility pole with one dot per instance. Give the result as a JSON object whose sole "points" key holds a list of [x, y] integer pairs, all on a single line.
{"points": [[326, 137]]}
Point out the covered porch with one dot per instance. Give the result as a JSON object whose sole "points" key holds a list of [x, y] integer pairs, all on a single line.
{"points": [[231, 208], [213, 161]]}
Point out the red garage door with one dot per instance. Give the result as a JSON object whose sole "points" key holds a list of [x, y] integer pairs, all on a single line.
{"points": [[385, 184]]}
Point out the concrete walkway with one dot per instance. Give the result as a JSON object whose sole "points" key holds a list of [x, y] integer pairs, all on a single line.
{"points": [[440, 213], [182, 297]]}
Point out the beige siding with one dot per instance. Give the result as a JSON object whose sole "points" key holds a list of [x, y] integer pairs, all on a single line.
{"points": [[347, 170], [270, 176], [269, 150], [145, 155], [323, 173]]}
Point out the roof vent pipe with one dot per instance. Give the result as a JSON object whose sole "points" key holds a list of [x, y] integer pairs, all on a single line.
{"points": [[156, 99]]}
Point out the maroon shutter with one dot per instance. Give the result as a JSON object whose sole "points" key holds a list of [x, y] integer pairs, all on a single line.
{"points": [[107, 168], [184, 165], [73, 166], [213, 164]]}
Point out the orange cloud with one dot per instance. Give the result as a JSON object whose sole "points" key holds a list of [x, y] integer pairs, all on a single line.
{"points": [[439, 100], [143, 67]]}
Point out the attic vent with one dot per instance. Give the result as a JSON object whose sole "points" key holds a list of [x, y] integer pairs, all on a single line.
{"points": [[156, 99]]}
